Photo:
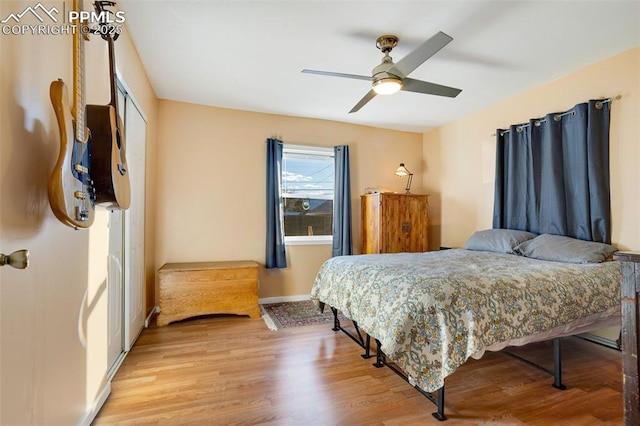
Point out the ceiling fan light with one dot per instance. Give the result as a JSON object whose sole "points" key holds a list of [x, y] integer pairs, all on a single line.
{"points": [[387, 86]]}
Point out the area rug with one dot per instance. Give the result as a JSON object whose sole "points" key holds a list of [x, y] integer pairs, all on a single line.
{"points": [[295, 314]]}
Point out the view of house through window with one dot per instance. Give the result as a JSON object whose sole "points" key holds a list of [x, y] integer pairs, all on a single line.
{"points": [[307, 190]]}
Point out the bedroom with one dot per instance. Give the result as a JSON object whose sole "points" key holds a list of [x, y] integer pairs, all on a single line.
{"points": [[193, 153]]}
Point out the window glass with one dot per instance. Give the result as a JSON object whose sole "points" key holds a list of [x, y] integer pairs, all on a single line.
{"points": [[307, 190]]}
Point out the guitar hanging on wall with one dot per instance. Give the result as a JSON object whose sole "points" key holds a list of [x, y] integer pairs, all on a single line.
{"points": [[108, 158], [70, 188]]}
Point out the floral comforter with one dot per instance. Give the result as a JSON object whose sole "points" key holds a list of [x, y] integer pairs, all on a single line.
{"points": [[432, 311]]}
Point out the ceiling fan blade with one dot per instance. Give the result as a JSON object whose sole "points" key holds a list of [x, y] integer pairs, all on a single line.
{"points": [[370, 95], [338, 74], [421, 53], [419, 86]]}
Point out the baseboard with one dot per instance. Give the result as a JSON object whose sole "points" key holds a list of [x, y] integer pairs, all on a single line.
{"points": [[267, 300], [154, 311], [116, 365], [93, 411]]}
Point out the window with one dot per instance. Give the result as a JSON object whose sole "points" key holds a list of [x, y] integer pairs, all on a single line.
{"points": [[307, 191]]}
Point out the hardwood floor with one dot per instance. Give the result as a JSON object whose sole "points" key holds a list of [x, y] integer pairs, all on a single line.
{"points": [[233, 370]]}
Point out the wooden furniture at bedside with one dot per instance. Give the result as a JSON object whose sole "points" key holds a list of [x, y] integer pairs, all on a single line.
{"points": [[630, 306], [203, 288], [394, 223]]}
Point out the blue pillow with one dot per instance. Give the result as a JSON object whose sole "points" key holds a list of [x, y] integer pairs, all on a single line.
{"points": [[497, 240], [565, 249]]}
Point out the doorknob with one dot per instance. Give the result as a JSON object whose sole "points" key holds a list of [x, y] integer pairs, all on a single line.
{"points": [[18, 259]]}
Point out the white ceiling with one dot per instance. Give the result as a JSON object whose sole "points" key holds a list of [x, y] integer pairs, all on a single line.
{"points": [[248, 55]]}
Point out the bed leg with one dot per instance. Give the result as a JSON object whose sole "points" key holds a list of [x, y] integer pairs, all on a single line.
{"points": [[557, 365], [379, 363], [367, 348], [440, 404], [336, 321], [364, 343]]}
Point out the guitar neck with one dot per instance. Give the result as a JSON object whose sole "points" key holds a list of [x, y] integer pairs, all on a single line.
{"points": [[78, 108], [112, 74]]}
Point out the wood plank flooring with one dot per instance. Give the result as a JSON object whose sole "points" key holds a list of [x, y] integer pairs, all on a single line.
{"points": [[234, 370]]}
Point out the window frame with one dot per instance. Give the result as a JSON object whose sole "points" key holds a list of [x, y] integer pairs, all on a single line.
{"points": [[299, 240]]}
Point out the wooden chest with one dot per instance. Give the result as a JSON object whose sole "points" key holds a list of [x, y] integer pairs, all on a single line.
{"points": [[203, 288]]}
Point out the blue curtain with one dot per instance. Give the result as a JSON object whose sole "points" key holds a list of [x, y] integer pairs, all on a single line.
{"points": [[275, 250], [552, 174], [342, 242]]}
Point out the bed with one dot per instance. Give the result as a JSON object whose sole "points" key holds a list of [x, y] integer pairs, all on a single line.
{"points": [[430, 312]]}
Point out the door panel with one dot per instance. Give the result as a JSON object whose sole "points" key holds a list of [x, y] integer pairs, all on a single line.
{"points": [[115, 288], [116, 277], [135, 129], [126, 242]]}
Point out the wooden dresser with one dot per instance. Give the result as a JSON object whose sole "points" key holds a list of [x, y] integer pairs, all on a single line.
{"points": [[630, 305], [203, 288], [394, 223]]}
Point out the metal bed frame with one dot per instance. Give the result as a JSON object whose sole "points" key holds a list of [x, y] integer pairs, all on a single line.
{"points": [[364, 341]]}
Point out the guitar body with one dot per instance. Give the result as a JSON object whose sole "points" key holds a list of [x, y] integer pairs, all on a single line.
{"points": [[70, 188], [108, 157]]}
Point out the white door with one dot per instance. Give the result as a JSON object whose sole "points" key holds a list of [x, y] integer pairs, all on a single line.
{"points": [[126, 243], [115, 289], [136, 133]]}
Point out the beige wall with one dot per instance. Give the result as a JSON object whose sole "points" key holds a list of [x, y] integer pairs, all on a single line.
{"points": [[53, 315], [211, 188], [205, 200], [459, 157]]}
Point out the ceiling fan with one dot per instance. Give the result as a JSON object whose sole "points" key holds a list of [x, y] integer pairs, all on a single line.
{"points": [[389, 78]]}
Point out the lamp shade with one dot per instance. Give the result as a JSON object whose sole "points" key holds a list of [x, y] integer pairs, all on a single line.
{"points": [[402, 170]]}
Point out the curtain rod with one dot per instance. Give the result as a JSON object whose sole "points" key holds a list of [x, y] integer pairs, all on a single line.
{"points": [[557, 117]]}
